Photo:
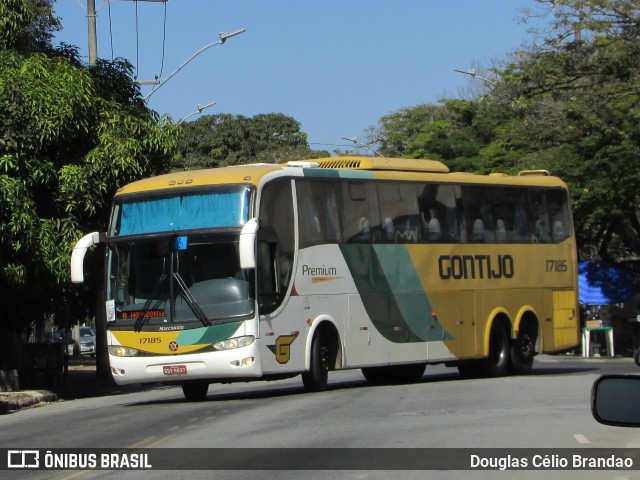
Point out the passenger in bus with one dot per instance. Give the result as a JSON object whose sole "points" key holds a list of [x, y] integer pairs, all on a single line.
{"points": [[450, 197], [477, 236], [501, 231], [558, 231], [389, 229], [431, 227], [541, 233], [520, 219]]}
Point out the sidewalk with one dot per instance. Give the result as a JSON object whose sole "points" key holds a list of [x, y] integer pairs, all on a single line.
{"points": [[80, 382]]}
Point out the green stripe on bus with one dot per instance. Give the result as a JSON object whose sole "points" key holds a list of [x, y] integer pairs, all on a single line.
{"points": [[333, 173], [392, 294], [208, 335]]}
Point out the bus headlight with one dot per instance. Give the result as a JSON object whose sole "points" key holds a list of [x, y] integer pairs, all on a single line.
{"points": [[236, 342], [120, 351]]}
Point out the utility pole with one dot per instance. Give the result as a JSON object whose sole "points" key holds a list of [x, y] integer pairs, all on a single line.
{"points": [[93, 37]]}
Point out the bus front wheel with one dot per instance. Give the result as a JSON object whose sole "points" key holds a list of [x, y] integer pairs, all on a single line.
{"points": [[315, 380], [195, 392]]}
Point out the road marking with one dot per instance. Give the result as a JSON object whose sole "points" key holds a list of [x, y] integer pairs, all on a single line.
{"points": [[151, 445], [75, 475], [581, 438], [141, 442]]}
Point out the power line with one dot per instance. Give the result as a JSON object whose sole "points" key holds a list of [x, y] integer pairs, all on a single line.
{"points": [[110, 29], [164, 39], [137, 41]]}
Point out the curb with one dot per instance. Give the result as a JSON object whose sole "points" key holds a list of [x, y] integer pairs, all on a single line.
{"points": [[19, 400]]}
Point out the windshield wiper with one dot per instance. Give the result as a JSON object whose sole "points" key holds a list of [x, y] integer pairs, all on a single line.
{"points": [[188, 296], [141, 320]]}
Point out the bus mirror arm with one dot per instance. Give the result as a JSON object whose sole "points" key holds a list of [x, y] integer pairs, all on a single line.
{"points": [[248, 244], [79, 251]]}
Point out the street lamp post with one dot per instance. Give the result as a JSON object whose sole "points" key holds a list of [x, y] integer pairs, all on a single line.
{"points": [[200, 108], [223, 39], [474, 74]]}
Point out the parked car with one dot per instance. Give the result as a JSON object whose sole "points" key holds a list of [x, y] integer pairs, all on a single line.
{"points": [[87, 341]]}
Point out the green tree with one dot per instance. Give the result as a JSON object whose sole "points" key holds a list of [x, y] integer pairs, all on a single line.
{"points": [[225, 139], [573, 105], [69, 137], [568, 104], [454, 132], [27, 25]]}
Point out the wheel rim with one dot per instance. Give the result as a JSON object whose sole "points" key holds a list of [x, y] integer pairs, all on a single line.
{"points": [[324, 361], [526, 347]]}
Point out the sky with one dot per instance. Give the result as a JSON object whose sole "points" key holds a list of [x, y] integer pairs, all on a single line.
{"points": [[336, 66]]}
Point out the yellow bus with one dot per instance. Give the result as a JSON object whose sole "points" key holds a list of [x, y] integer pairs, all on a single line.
{"points": [[262, 272]]}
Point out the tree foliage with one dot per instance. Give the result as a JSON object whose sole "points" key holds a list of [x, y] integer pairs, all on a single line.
{"points": [[569, 104], [225, 139], [69, 137]]}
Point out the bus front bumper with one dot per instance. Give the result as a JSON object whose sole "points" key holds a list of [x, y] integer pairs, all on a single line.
{"points": [[213, 366]]}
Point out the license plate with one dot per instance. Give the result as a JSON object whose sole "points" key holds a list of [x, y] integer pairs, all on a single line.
{"points": [[174, 369]]}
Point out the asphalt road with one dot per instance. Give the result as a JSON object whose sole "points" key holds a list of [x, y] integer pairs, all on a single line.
{"points": [[548, 409]]}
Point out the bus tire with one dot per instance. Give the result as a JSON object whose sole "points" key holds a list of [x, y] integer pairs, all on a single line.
{"points": [[195, 392], [316, 379], [394, 375], [522, 352], [496, 363]]}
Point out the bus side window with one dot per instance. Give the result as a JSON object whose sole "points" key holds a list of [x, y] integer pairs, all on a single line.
{"points": [[269, 287], [478, 217], [275, 244], [558, 208], [318, 217], [399, 211], [541, 231], [356, 226], [448, 207]]}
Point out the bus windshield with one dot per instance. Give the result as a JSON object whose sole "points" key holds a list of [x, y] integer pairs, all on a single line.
{"points": [[195, 278], [174, 258]]}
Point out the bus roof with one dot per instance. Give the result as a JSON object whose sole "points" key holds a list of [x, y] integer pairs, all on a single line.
{"points": [[347, 166], [248, 174]]}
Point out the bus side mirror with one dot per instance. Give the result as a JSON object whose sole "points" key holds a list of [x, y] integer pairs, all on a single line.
{"points": [[248, 236], [615, 400], [78, 253]]}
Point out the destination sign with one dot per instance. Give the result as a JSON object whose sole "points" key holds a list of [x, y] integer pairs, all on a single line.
{"points": [[136, 314]]}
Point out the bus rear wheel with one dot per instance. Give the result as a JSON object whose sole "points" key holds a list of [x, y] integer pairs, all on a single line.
{"points": [[522, 353], [316, 379], [497, 361], [195, 392], [495, 365]]}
